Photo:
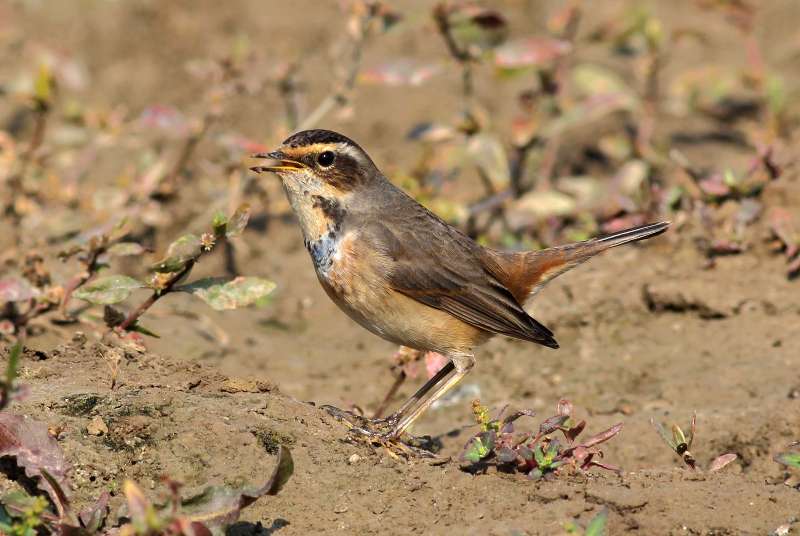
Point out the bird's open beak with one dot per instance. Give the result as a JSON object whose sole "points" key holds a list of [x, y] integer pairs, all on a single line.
{"points": [[282, 162]]}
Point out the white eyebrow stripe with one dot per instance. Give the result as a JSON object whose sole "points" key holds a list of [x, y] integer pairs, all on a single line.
{"points": [[352, 152]]}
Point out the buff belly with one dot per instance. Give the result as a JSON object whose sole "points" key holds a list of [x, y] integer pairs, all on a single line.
{"points": [[352, 280]]}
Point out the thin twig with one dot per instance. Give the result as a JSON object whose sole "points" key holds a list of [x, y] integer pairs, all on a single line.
{"points": [[134, 315], [341, 94], [170, 183], [562, 80], [90, 270], [398, 381], [289, 89]]}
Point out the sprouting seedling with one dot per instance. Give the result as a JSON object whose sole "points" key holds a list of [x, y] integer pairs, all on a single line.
{"points": [[681, 443], [168, 274], [791, 459], [7, 383], [537, 454], [595, 527], [678, 441]]}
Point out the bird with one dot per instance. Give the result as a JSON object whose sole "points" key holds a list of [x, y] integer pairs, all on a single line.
{"points": [[406, 275]]}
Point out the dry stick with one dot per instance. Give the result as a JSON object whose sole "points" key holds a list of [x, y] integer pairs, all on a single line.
{"points": [[562, 71], [15, 183], [398, 381], [37, 138], [341, 93], [134, 315], [81, 279], [169, 183], [289, 87], [458, 54]]}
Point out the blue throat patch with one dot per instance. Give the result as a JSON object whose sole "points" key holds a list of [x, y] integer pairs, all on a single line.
{"points": [[323, 249]]}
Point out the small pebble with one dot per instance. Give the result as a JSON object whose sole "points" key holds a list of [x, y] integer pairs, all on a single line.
{"points": [[97, 427], [355, 458]]}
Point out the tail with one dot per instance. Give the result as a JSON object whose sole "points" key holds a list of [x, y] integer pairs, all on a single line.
{"points": [[525, 273]]}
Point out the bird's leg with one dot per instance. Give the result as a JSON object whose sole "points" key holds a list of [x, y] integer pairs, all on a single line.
{"points": [[395, 417], [462, 363], [362, 425]]}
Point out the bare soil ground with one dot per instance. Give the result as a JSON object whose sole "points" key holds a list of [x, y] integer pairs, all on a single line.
{"points": [[645, 332]]}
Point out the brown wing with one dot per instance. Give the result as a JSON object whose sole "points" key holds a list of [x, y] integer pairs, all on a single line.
{"points": [[431, 262]]}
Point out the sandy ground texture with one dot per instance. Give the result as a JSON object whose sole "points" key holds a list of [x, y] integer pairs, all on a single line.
{"points": [[645, 332], [619, 362]]}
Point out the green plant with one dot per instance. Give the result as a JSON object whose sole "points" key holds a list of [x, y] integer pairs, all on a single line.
{"points": [[7, 387], [681, 443], [169, 273], [537, 454], [21, 515], [595, 527]]}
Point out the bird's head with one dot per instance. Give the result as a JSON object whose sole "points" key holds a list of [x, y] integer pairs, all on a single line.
{"points": [[322, 162], [323, 172]]}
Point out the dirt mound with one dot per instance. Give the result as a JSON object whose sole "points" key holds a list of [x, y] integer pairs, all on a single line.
{"points": [[167, 417]]}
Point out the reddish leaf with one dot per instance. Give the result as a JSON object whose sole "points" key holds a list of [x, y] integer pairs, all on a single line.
{"points": [[92, 517], [434, 362], [400, 72], [721, 461], [34, 450], [530, 52], [164, 118], [714, 186], [603, 436], [573, 432], [14, 289], [552, 424], [564, 407]]}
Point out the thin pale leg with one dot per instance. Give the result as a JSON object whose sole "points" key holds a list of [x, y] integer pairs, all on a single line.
{"points": [[462, 365], [420, 394], [362, 425]]}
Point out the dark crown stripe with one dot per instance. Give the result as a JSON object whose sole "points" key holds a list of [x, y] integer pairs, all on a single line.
{"points": [[310, 137]]}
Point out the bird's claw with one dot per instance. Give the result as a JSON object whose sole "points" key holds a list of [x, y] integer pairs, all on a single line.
{"points": [[378, 432]]}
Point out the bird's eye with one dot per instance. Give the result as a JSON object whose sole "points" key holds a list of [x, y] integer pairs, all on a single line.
{"points": [[325, 158]]}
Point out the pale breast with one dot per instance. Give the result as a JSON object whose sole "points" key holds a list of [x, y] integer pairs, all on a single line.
{"points": [[354, 278]]}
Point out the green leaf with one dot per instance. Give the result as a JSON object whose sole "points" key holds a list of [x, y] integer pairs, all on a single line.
{"points": [[238, 221], [668, 439], [108, 290], [185, 249], [479, 446], [219, 223], [789, 459], [597, 526], [123, 249], [14, 354], [538, 455], [488, 154], [221, 294], [476, 29], [43, 85], [138, 328]]}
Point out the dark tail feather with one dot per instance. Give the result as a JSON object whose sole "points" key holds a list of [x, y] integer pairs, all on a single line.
{"points": [[630, 235]]}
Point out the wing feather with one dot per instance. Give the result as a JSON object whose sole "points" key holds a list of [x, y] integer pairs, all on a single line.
{"points": [[444, 269]]}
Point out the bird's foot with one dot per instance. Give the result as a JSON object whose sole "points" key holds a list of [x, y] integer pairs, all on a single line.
{"points": [[381, 432]]}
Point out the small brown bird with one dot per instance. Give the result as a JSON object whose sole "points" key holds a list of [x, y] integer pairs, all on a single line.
{"points": [[406, 275]]}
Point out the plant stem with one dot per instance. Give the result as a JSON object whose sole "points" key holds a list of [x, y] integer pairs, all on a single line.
{"points": [[345, 86], [289, 87], [81, 279], [134, 315], [170, 183]]}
